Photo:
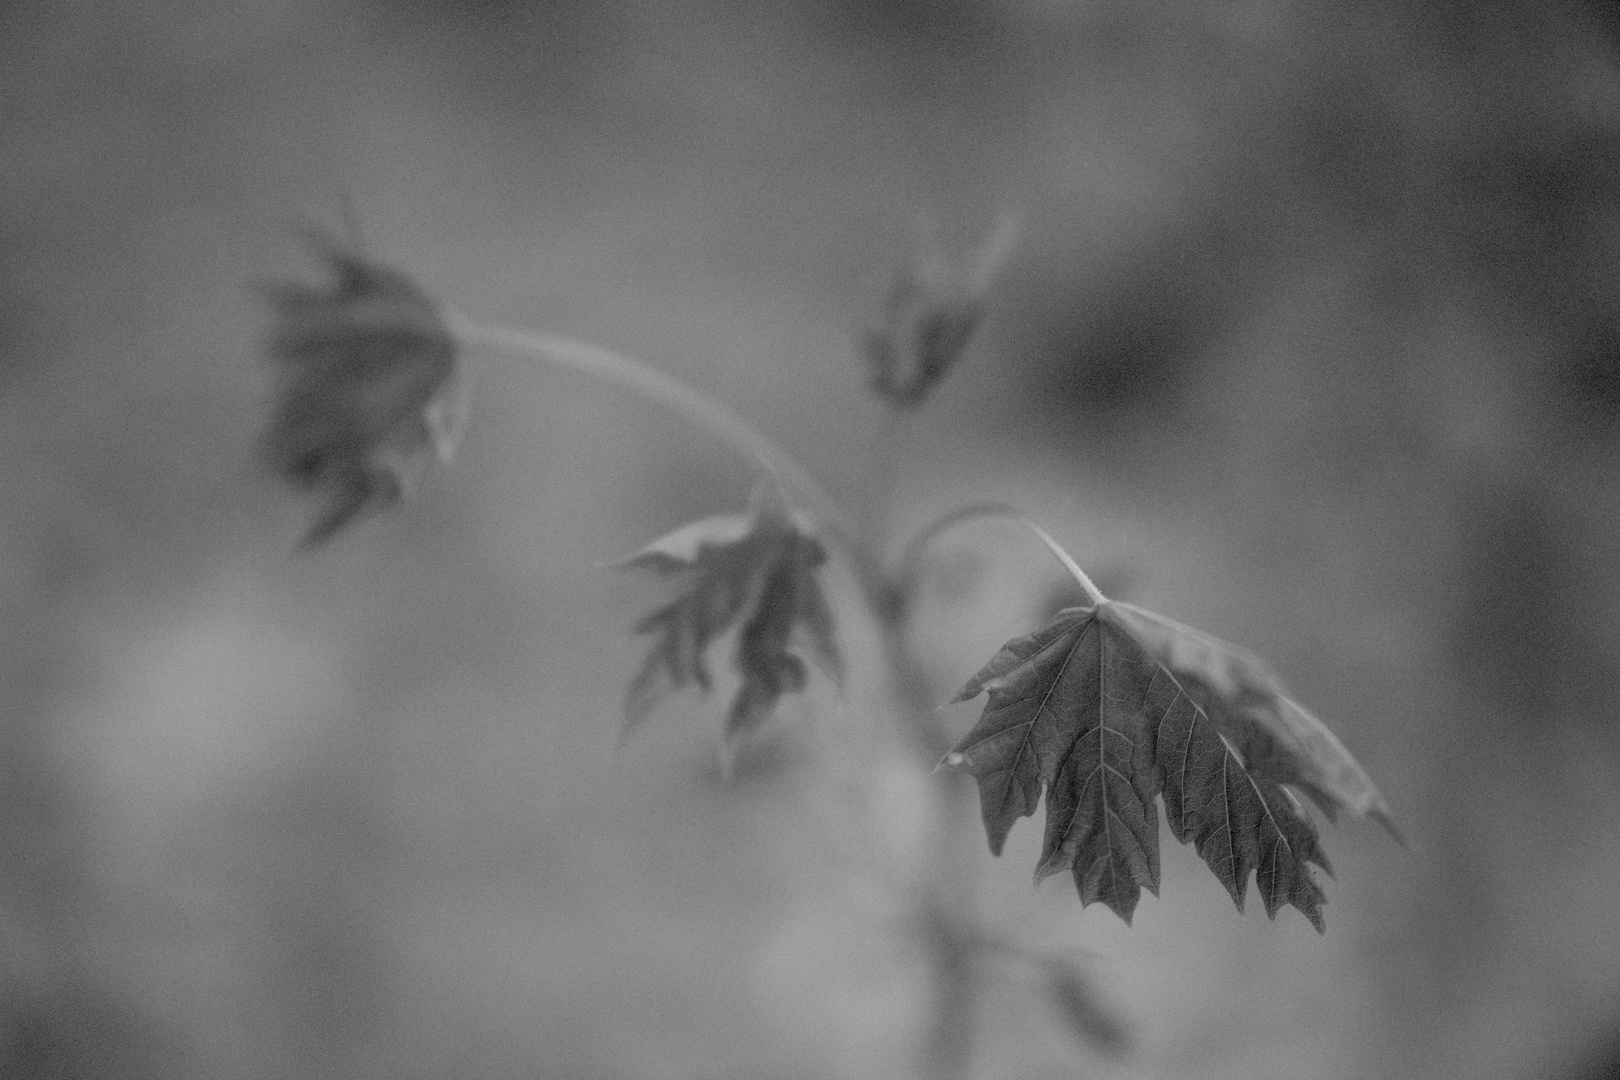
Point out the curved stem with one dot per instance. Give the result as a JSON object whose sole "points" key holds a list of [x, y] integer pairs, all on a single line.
{"points": [[642, 378], [882, 453], [905, 572], [950, 1038]]}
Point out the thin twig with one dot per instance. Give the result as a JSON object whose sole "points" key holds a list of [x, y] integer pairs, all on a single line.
{"points": [[642, 378]]}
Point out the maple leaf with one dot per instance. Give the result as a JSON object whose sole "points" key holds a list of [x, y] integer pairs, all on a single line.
{"points": [[369, 389], [757, 572], [1109, 706]]}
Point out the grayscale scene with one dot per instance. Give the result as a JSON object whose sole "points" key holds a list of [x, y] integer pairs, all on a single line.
{"points": [[849, 540]]}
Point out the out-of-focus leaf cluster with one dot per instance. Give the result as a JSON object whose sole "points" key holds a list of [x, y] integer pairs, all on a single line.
{"points": [[755, 572], [934, 305], [369, 392]]}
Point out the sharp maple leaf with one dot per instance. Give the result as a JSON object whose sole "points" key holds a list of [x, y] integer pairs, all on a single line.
{"points": [[368, 391], [1109, 706], [757, 572]]}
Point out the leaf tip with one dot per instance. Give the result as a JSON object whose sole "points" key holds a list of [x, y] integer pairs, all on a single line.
{"points": [[1384, 817], [967, 693], [1047, 867], [657, 561]]}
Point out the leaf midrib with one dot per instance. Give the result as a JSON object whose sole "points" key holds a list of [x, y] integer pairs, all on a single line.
{"points": [[1102, 755]]}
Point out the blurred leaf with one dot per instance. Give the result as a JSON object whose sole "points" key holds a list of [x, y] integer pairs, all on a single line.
{"points": [[1077, 1003], [934, 305], [369, 392], [754, 571], [1109, 705]]}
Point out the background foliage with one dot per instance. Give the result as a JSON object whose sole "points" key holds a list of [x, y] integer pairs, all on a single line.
{"points": [[1311, 342]]}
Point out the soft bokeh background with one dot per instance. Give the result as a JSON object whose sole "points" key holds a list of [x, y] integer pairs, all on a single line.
{"points": [[1312, 341]]}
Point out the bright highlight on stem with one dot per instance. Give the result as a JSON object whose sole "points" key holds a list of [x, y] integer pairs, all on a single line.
{"points": [[974, 511]]}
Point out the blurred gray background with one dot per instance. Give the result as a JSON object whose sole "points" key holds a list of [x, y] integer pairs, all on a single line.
{"points": [[1312, 340]]}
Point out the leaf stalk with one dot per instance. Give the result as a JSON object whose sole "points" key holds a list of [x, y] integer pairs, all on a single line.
{"points": [[640, 377], [906, 571]]}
